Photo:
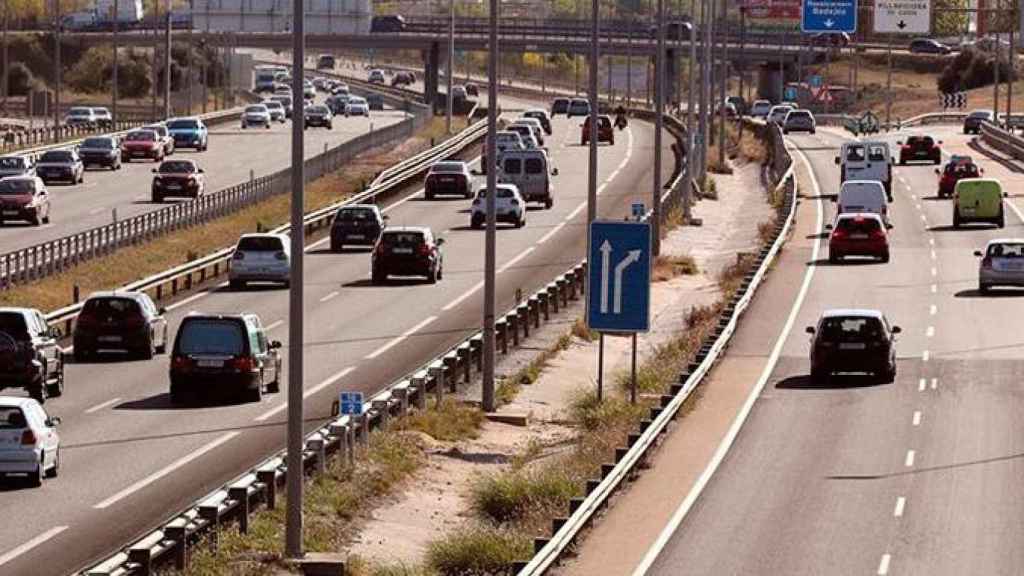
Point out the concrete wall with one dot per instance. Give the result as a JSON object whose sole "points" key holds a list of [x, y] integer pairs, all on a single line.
{"points": [[322, 16]]}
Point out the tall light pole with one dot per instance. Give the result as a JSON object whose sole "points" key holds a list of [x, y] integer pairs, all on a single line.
{"points": [[1009, 81], [293, 514], [995, 50], [57, 66], [188, 56], [659, 122], [490, 238], [114, 89], [594, 104], [722, 83], [4, 88], [167, 62], [691, 148], [451, 61]]}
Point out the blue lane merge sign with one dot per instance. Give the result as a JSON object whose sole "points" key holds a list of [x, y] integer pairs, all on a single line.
{"points": [[619, 270], [351, 403], [829, 16]]}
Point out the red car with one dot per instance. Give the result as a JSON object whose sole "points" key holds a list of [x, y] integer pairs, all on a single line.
{"points": [[605, 133], [920, 148], [142, 144], [958, 168], [858, 234]]}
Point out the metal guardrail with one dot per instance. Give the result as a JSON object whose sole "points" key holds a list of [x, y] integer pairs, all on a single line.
{"points": [[1002, 140]]}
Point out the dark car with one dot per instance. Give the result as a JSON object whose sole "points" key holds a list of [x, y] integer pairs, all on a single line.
{"points": [[605, 133], [121, 321], [920, 148], [101, 151], [407, 251], [142, 144], [559, 106], [974, 120], [319, 115], [337, 103], [375, 101], [449, 177], [472, 89], [216, 353], [24, 198], [542, 117], [853, 341], [831, 39], [60, 166], [16, 166], [356, 225], [387, 23], [30, 356], [958, 168], [183, 178], [403, 79], [928, 46]]}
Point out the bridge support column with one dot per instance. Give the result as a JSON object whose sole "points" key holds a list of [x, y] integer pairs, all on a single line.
{"points": [[432, 64], [671, 78], [771, 80]]}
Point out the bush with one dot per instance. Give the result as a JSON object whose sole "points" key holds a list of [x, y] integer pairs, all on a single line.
{"points": [[479, 551], [21, 81], [95, 69], [972, 69], [517, 494]]}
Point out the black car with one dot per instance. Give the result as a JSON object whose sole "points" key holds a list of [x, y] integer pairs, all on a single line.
{"points": [[356, 225], [407, 251], [121, 321], [387, 23], [60, 166], [928, 46], [178, 178], [542, 116], [230, 353], [102, 151], [30, 356], [831, 39], [853, 341], [559, 106], [375, 101], [972, 124], [920, 148], [472, 89], [319, 115], [337, 103]]}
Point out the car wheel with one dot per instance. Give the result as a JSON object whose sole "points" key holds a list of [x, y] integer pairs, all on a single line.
{"points": [[35, 479], [46, 219], [432, 276], [255, 394], [983, 288], [162, 348], [903, 161], [377, 278], [236, 284], [548, 202], [52, 472], [34, 221], [1001, 220], [38, 392], [819, 376], [56, 389], [520, 221], [243, 126], [177, 395], [889, 376], [157, 198], [956, 218], [834, 257], [885, 257], [336, 247], [146, 352]]}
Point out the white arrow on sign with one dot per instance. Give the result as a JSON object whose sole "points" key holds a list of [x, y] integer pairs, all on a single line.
{"points": [[634, 256], [829, 23], [606, 252]]}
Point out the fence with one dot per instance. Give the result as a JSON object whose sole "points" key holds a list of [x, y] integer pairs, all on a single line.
{"points": [[1002, 140]]}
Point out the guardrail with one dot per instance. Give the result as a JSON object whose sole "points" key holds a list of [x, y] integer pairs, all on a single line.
{"points": [[1002, 140]]}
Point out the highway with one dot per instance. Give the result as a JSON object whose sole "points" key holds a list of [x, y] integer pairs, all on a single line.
{"points": [[921, 476], [234, 154], [131, 459]]}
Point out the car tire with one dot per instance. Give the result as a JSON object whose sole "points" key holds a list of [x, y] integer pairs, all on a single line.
{"points": [[889, 376], [46, 219], [819, 376], [1001, 220], [157, 198], [243, 126], [146, 352], [38, 393], [956, 218], [56, 389], [520, 222], [255, 394], [834, 258], [377, 279], [548, 203], [903, 161], [337, 247], [236, 284], [35, 221], [885, 257], [983, 288], [429, 195], [162, 348], [35, 479], [476, 223], [55, 470], [432, 276], [177, 395]]}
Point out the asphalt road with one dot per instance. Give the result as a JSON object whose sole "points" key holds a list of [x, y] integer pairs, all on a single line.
{"points": [[131, 459], [916, 477], [233, 157]]}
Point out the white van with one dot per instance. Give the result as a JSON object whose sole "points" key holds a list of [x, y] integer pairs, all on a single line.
{"points": [[530, 171], [859, 196], [866, 161]]}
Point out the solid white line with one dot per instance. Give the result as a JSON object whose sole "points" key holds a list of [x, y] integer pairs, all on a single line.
{"points": [[516, 260], [551, 233], [924, 356], [462, 298], [102, 405], [935, 383], [575, 212], [930, 331], [398, 339], [600, 189], [922, 384], [933, 309], [330, 296], [741, 418], [909, 460], [917, 418], [931, 241], [935, 288], [933, 254], [883, 566], [270, 413], [612, 175], [901, 503], [31, 544], [338, 376], [913, 196], [165, 471], [923, 219], [935, 271], [274, 324]]}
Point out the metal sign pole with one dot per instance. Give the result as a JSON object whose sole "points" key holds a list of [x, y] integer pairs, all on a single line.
{"points": [[293, 532], [691, 148], [7, 69], [995, 50], [167, 63], [659, 126], [489, 241], [114, 89], [188, 61], [888, 87], [600, 367], [594, 110], [57, 67], [722, 88], [1009, 82], [632, 379]]}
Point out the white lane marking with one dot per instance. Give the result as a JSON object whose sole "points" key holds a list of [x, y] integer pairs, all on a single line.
{"points": [[918, 206], [462, 298], [551, 233], [165, 471], [922, 384], [935, 271], [612, 175], [917, 418], [925, 356], [935, 288], [901, 503], [930, 332], [723, 448], [933, 254], [31, 544], [600, 189], [330, 296], [923, 219], [933, 309], [274, 324], [102, 405], [398, 339], [913, 196], [194, 297], [883, 565], [909, 460], [516, 260], [270, 413], [575, 212], [935, 383], [1020, 215], [931, 241]]}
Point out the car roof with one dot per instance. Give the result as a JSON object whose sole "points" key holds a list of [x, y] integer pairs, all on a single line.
{"points": [[16, 310], [990, 242], [218, 315], [852, 312], [859, 215], [264, 235], [861, 183], [500, 185], [16, 402], [361, 207], [394, 229], [975, 181]]}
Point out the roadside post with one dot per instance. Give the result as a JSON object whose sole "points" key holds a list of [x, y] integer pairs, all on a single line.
{"points": [[894, 17], [619, 272]]}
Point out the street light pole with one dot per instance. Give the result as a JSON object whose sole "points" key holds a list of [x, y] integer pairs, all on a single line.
{"points": [[722, 83], [491, 207], [451, 61], [4, 88], [1009, 81], [57, 68], [167, 62], [691, 148], [114, 89], [188, 56], [293, 527], [594, 104], [659, 125], [994, 19]]}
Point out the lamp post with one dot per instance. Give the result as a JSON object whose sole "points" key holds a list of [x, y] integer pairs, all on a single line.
{"points": [[451, 62], [490, 257]]}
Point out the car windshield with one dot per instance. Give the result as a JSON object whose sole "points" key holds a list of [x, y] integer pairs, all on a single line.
{"points": [[177, 167], [11, 418], [1006, 250], [105, 143], [981, 114], [503, 192], [183, 125], [318, 110], [260, 244], [160, 130], [17, 186], [146, 136], [356, 215], [80, 112], [876, 153], [13, 324], [111, 307], [56, 156], [799, 114], [851, 328], [356, 100], [256, 109], [447, 167], [219, 337], [12, 163], [402, 238], [273, 104], [101, 111]]}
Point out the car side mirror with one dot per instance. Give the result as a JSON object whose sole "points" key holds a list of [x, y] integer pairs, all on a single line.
{"points": [[809, 330], [896, 330], [937, 171], [978, 253], [201, 171], [837, 161], [386, 217], [162, 311], [899, 142], [440, 241], [275, 344], [828, 226], [554, 171], [153, 170], [53, 422]]}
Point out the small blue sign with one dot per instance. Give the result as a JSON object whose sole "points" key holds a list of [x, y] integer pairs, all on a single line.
{"points": [[619, 270], [828, 16], [815, 81], [639, 210], [351, 404], [790, 93]]}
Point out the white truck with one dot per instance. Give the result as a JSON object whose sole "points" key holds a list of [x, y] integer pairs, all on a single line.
{"points": [[866, 161], [129, 13]]}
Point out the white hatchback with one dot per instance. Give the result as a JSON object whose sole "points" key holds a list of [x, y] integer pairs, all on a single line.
{"points": [[261, 258], [509, 206], [29, 443], [357, 106]]}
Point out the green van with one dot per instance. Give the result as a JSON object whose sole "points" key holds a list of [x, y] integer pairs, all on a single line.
{"points": [[978, 200]]}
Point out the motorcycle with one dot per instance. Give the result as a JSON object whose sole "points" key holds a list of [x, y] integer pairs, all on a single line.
{"points": [[621, 122]]}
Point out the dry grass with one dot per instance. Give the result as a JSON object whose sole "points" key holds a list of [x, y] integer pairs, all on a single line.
{"points": [[668, 267], [176, 248], [449, 421], [582, 331]]}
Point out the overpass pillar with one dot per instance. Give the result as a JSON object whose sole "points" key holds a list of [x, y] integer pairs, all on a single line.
{"points": [[771, 80], [432, 63], [671, 78]]}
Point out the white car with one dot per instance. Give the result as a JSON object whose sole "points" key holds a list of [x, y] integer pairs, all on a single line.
{"points": [[357, 106], [81, 116], [256, 115], [29, 443], [261, 258], [777, 115], [509, 206], [535, 125], [526, 133], [760, 108], [276, 109], [509, 140], [376, 76]]}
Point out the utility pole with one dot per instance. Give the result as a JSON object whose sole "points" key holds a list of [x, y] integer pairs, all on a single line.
{"points": [[293, 515], [594, 105], [888, 87], [659, 126], [188, 56], [451, 62], [491, 207], [691, 147], [4, 88], [722, 83], [57, 66], [1009, 81], [629, 61], [743, 70], [206, 56], [994, 19], [167, 63], [115, 88]]}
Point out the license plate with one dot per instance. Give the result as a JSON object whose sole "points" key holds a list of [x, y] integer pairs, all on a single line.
{"points": [[210, 363], [139, 153], [10, 212], [402, 251], [174, 186], [852, 346], [357, 236], [109, 338], [859, 236]]}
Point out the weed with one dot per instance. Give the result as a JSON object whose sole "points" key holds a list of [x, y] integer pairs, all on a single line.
{"points": [[582, 331], [478, 550], [514, 495], [668, 267], [449, 421], [590, 413]]}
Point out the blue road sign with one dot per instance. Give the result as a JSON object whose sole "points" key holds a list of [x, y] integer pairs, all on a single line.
{"points": [[620, 276], [790, 93], [829, 16], [351, 403], [815, 81], [639, 210]]}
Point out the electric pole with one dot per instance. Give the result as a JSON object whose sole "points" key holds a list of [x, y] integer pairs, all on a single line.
{"points": [[167, 62], [114, 89]]}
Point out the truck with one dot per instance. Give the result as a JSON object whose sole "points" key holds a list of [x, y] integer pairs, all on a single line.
{"points": [[266, 77], [129, 13]]}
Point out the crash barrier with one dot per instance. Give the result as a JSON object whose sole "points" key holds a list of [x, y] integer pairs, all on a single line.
{"points": [[583, 510], [55, 256], [1002, 140]]}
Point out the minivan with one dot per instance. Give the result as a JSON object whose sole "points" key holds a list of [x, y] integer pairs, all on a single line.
{"points": [[866, 161], [978, 200], [863, 196], [529, 170]]}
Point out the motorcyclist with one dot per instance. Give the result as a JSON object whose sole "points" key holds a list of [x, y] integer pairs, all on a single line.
{"points": [[620, 117]]}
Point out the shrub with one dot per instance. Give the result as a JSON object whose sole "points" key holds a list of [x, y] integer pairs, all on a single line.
{"points": [[972, 69], [517, 494], [94, 72], [478, 551], [21, 81], [448, 421]]}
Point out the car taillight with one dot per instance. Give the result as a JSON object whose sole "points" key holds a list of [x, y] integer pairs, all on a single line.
{"points": [[839, 233], [514, 202], [134, 322], [28, 438], [239, 255], [878, 233], [243, 364], [905, 147], [281, 256], [181, 363], [424, 250]]}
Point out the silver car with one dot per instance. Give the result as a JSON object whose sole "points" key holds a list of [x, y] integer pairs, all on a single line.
{"points": [[261, 258], [777, 115], [256, 115], [798, 121], [1002, 264], [16, 166]]}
